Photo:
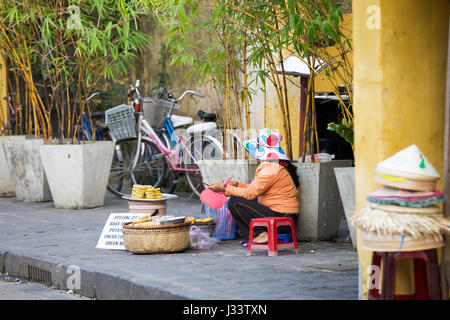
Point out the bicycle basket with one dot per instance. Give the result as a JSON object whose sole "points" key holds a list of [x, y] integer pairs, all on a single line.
{"points": [[156, 111], [121, 123]]}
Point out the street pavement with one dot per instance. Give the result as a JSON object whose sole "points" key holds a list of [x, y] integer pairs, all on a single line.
{"points": [[12, 288], [56, 246]]}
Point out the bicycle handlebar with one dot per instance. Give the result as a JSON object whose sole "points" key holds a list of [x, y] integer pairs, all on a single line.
{"points": [[93, 95], [188, 92], [134, 90]]}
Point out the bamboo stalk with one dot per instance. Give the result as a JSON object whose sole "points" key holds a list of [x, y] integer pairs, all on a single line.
{"points": [[279, 89], [305, 127], [246, 98], [288, 118]]}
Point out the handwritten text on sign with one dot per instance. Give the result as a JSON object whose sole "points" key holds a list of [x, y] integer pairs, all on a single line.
{"points": [[112, 237]]}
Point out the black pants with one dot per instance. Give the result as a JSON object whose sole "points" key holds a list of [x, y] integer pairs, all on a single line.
{"points": [[243, 211]]}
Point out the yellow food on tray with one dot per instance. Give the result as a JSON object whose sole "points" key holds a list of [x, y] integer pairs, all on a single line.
{"points": [[146, 192], [138, 191], [204, 220], [145, 224], [142, 219], [149, 191], [153, 193], [190, 219], [193, 220]]}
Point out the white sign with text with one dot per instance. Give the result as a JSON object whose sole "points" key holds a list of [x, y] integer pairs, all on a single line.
{"points": [[112, 236]]}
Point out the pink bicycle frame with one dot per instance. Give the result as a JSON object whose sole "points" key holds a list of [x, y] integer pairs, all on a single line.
{"points": [[172, 156]]}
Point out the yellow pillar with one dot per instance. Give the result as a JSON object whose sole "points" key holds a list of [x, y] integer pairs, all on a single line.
{"points": [[400, 59], [3, 107]]}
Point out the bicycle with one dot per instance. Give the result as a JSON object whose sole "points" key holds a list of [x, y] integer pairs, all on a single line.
{"points": [[15, 125], [84, 131], [143, 158], [209, 127]]}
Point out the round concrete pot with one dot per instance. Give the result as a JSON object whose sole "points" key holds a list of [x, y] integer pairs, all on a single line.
{"points": [[77, 173], [6, 181], [27, 173]]}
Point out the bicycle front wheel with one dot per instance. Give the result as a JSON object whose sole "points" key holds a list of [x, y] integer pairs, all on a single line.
{"points": [[171, 179], [120, 180], [199, 149], [151, 167]]}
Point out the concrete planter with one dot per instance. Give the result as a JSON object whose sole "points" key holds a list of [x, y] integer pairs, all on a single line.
{"points": [[345, 178], [6, 181], [320, 205], [27, 173], [220, 170], [78, 173]]}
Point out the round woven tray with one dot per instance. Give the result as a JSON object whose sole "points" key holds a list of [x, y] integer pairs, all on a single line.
{"points": [[156, 239], [433, 209], [393, 243]]}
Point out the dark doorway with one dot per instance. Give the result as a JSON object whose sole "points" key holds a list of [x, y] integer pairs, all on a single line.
{"points": [[329, 141]]}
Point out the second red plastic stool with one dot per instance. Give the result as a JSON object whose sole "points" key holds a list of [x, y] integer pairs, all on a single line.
{"points": [[272, 223], [425, 267]]}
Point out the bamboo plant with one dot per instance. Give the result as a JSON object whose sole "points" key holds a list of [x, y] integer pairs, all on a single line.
{"points": [[272, 30], [61, 50]]}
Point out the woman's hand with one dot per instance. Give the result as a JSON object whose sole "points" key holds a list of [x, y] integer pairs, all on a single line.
{"points": [[216, 187], [233, 183]]}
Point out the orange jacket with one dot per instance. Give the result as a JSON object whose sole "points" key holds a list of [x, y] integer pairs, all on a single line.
{"points": [[272, 185]]}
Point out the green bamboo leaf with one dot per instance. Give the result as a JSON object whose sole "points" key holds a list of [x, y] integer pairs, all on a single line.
{"points": [[183, 18], [331, 31], [324, 34]]}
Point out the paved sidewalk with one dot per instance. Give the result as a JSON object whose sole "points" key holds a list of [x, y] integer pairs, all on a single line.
{"points": [[38, 240], [18, 289]]}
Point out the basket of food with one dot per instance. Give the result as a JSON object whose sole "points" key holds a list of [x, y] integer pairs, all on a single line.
{"points": [[146, 236]]}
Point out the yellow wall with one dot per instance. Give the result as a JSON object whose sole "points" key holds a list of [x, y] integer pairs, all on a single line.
{"points": [[399, 92], [322, 83], [273, 112], [2, 92]]}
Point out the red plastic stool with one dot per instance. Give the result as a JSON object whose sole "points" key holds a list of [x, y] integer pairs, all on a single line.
{"points": [[272, 223], [421, 259]]}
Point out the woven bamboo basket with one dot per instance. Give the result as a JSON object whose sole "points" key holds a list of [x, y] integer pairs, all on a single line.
{"points": [[382, 227], [157, 239], [393, 243]]}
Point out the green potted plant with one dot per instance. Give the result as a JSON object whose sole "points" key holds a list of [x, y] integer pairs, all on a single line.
{"points": [[71, 53]]}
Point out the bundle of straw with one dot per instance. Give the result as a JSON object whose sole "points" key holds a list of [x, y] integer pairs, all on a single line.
{"points": [[395, 220], [402, 219]]}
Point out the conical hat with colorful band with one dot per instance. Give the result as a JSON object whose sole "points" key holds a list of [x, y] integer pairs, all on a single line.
{"points": [[409, 163], [405, 183], [407, 169], [266, 146]]}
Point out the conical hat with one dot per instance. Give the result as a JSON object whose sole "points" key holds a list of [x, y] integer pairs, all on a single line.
{"points": [[408, 163], [388, 193]]}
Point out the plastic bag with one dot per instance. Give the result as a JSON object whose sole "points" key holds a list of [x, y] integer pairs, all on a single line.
{"points": [[199, 239]]}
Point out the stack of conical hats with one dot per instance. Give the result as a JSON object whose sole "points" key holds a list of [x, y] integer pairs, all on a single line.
{"points": [[404, 215]]}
